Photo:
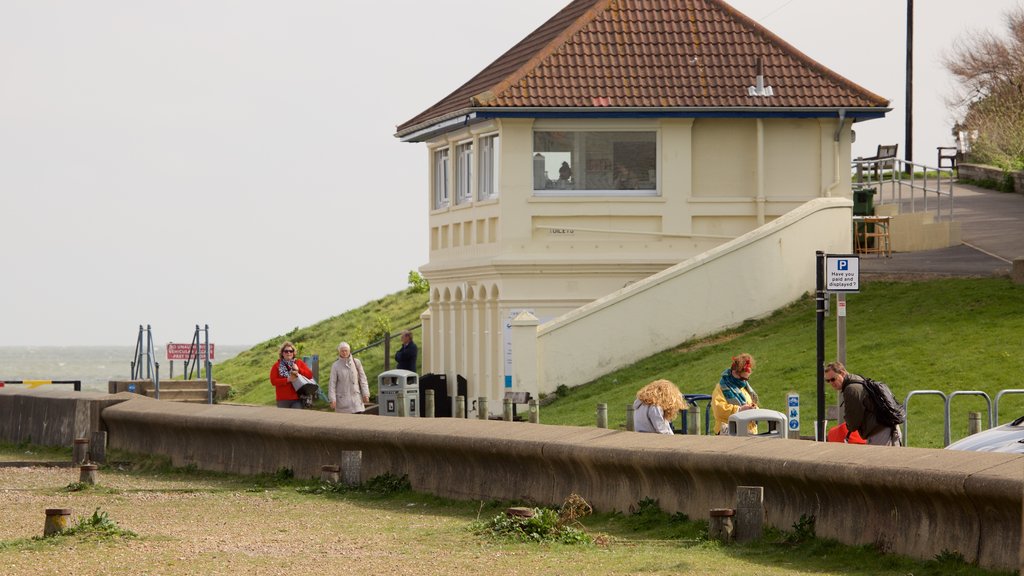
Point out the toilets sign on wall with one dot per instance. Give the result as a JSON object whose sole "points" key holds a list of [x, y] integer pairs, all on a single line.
{"points": [[842, 273]]}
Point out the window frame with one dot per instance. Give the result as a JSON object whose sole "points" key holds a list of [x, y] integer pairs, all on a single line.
{"points": [[463, 172], [575, 157], [488, 166], [441, 182]]}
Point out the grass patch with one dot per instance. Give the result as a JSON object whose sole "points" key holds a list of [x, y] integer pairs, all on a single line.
{"points": [[947, 334]]}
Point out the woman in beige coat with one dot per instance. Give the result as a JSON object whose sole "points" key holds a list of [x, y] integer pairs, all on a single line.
{"points": [[348, 390]]}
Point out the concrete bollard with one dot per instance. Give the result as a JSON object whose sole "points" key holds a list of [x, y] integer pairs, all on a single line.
{"points": [[460, 406], [506, 410], [630, 425], [88, 474], [402, 408], [428, 404], [330, 473], [351, 467], [98, 447], [534, 411], [80, 451], [693, 422], [1017, 272], [56, 520], [973, 423], [602, 415], [481, 408], [720, 526], [749, 519]]}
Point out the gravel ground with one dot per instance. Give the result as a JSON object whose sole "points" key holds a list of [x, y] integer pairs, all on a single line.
{"points": [[200, 526]]}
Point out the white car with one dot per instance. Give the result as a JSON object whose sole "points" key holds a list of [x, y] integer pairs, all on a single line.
{"points": [[1008, 438]]}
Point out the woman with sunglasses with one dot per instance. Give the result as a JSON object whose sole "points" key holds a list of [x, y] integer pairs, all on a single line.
{"points": [[284, 372]]}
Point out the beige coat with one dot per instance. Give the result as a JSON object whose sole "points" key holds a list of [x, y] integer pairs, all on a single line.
{"points": [[348, 385]]}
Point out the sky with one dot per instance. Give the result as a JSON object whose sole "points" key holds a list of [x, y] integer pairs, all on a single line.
{"points": [[232, 163]]}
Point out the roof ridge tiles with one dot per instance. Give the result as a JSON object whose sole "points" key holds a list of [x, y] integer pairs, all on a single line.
{"points": [[692, 53]]}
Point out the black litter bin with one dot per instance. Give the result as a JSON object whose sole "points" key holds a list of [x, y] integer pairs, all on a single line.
{"points": [[864, 201]]}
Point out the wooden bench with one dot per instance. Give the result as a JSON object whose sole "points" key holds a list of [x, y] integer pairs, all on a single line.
{"points": [[517, 398], [884, 158]]}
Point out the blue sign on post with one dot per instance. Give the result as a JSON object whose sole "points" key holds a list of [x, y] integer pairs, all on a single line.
{"points": [[793, 407]]}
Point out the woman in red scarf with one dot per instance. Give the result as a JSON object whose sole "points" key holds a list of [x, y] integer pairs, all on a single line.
{"points": [[284, 372]]}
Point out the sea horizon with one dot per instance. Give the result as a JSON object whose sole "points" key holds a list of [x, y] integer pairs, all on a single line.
{"points": [[93, 365]]}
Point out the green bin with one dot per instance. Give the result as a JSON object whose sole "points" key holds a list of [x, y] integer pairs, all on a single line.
{"points": [[864, 201]]}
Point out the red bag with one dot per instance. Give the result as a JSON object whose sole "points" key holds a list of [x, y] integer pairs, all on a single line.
{"points": [[838, 434]]}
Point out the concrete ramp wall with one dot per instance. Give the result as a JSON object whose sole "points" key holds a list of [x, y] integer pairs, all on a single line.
{"points": [[748, 277]]}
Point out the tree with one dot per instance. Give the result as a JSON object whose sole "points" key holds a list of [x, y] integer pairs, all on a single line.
{"points": [[990, 70]]}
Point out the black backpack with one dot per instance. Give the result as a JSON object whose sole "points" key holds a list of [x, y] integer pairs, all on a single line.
{"points": [[888, 410]]}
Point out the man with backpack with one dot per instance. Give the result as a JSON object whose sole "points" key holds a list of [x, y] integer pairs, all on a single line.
{"points": [[868, 406]]}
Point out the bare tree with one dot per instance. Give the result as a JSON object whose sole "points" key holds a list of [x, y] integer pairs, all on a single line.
{"points": [[990, 70]]}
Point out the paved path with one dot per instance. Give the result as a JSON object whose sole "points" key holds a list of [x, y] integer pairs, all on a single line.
{"points": [[992, 229]]}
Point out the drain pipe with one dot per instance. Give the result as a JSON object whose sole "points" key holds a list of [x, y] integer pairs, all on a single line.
{"points": [[835, 153]]}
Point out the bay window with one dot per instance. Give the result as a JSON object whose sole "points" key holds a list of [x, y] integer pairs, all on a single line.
{"points": [[595, 163]]}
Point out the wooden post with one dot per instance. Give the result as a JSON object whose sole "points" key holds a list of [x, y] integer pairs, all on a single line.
{"points": [[534, 411], [602, 415], [973, 423], [80, 451], [402, 408], [351, 467], [428, 404], [98, 447], [630, 424], [481, 408], [330, 473], [460, 406], [506, 410], [56, 520], [749, 522], [720, 526], [88, 474]]}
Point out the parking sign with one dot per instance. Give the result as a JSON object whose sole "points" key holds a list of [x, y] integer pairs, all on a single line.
{"points": [[842, 273]]}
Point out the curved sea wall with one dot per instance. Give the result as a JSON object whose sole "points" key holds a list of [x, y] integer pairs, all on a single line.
{"points": [[914, 501]]}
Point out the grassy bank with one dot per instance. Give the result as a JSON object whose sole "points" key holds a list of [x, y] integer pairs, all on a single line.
{"points": [[158, 520], [948, 335], [249, 372]]}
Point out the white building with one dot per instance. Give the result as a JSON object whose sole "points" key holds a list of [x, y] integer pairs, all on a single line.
{"points": [[620, 140]]}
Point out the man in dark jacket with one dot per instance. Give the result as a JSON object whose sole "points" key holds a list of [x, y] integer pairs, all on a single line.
{"points": [[859, 408], [406, 355]]}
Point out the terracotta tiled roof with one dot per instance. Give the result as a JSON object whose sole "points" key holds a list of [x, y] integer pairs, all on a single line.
{"points": [[653, 54]]}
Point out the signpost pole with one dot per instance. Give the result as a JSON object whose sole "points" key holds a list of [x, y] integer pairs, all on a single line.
{"points": [[820, 295]]}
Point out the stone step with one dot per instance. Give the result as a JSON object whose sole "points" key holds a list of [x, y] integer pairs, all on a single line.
{"points": [[173, 390]]}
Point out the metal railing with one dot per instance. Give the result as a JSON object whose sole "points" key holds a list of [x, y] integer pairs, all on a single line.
{"points": [[947, 401], [912, 187]]}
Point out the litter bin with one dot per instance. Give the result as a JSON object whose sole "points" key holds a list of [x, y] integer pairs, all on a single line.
{"points": [[389, 384], [776, 422], [694, 399], [864, 201]]}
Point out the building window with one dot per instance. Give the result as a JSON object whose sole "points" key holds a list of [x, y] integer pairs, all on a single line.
{"points": [[440, 178], [595, 163], [463, 172], [487, 186], [487, 170]]}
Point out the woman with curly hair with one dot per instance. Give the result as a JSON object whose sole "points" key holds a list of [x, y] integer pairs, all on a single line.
{"points": [[656, 405]]}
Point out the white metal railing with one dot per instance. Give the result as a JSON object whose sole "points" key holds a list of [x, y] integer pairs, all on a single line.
{"points": [[912, 187]]}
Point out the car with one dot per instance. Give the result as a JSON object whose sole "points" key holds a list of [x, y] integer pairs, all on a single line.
{"points": [[1008, 438]]}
